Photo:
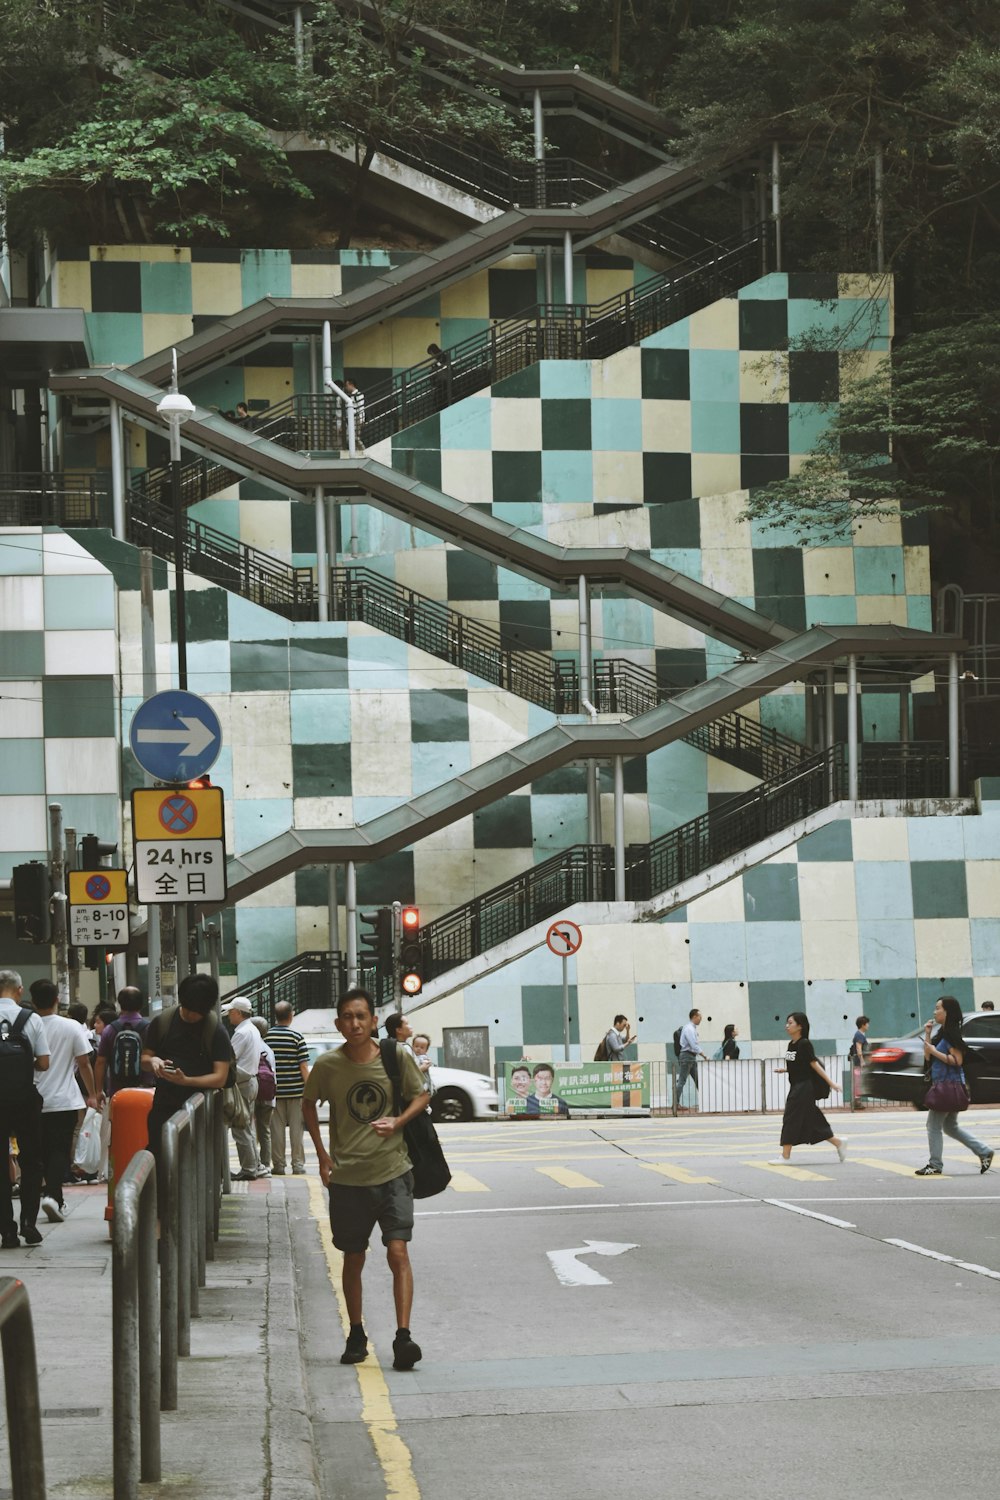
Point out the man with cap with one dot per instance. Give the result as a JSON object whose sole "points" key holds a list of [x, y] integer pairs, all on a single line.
{"points": [[248, 1044]]}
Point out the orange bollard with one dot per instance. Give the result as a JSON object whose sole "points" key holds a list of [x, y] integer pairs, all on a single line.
{"points": [[129, 1134]]}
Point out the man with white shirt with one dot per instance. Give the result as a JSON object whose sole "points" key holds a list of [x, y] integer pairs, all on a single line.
{"points": [[248, 1044], [69, 1050], [691, 1051], [20, 1108]]}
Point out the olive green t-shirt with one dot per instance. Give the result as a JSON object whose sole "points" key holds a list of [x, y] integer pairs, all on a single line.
{"points": [[357, 1094]]}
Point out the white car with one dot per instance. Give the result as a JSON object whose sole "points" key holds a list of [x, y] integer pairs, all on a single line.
{"points": [[458, 1095]]}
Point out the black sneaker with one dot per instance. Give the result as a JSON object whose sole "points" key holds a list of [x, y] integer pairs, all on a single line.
{"points": [[356, 1348], [31, 1235], [928, 1171], [985, 1162], [405, 1353], [10, 1242]]}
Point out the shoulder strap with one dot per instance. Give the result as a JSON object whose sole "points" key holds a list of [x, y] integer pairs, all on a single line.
{"points": [[388, 1050], [20, 1022], [208, 1031], [158, 1028]]}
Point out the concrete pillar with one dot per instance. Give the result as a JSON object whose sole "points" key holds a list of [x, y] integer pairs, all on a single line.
{"points": [[852, 728], [351, 906], [619, 828], [118, 484], [322, 557], [953, 738]]}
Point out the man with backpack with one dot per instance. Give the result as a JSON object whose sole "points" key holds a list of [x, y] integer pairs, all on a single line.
{"points": [[119, 1053], [187, 1051], [24, 1051]]}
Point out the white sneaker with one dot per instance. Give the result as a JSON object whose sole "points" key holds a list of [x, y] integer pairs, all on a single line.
{"points": [[263, 1172], [780, 1161], [842, 1148], [53, 1211]]}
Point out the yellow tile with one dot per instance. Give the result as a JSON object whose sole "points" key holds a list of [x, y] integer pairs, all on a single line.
{"points": [[464, 1182], [728, 569], [618, 478], [517, 424], [830, 949], [881, 609], [716, 327], [567, 1178], [880, 838], [271, 385], [410, 337], [721, 1004], [467, 476], [666, 428], [861, 284], [723, 777], [619, 376], [677, 1174], [660, 952], [372, 346], [316, 281], [467, 299], [72, 284], [216, 290], [424, 569], [826, 891], [604, 283], [723, 904], [873, 532], [943, 947], [265, 524], [164, 254], [162, 329], [793, 1174], [982, 878], [763, 375], [917, 569], [828, 570], [714, 473]]}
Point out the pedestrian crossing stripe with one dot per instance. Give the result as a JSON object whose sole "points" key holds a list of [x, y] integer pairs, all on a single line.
{"points": [[677, 1174], [464, 1182], [567, 1178], [886, 1166], [798, 1174]]}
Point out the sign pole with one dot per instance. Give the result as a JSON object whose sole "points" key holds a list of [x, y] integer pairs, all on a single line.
{"points": [[565, 969], [154, 966]]}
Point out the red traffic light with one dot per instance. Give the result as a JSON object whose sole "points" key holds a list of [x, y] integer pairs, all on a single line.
{"points": [[410, 918], [201, 781]]}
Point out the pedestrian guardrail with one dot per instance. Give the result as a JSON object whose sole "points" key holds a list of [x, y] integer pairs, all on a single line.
{"points": [[20, 1378], [154, 1305]]}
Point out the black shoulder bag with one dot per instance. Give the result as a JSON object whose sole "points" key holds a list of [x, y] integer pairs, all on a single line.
{"points": [[431, 1173]]}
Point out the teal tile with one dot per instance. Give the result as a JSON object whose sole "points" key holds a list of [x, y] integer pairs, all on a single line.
{"points": [[425, 434], [542, 1015], [388, 879], [567, 478], [96, 812], [21, 554], [686, 560], [616, 425], [771, 893], [831, 609], [427, 307], [807, 421], [265, 273], [317, 663], [379, 662], [421, 464], [22, 653], [115, 338], [266, 934], [258, 820], [674, 336], [665, 374], [774, 950], [23, 767], [864, 322], [715, 427], [918, 612], [879, 570], [516, 586], [437, 761], [882, 889], [813, 323], [504, 825], [439, 715], [166, 288], [985, 945], [564, 379], [77, 707], [249, 622], [626, 624], [457, 330], [467, 424], [894, 1005], [224, 515], [524, 516], [715, 375], [259, 666], [935, 838], [766, 288], [207, 612], [321, 770], [718, 951], [939, 889], [557, 822], [208, 666], [833, 842]]}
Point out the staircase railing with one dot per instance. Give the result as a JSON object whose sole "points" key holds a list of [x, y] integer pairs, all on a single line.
{"points": [[47, 499], [310, 981]]}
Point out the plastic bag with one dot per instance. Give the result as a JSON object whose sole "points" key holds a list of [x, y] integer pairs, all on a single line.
{"points": [[87, 1157]]}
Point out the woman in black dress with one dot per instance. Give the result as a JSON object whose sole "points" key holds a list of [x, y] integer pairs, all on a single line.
{"points": [[730, 1050], [804, 1124]]}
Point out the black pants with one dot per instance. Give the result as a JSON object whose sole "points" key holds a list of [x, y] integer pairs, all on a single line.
{"points": [[22, 1121], [58, 1126]]}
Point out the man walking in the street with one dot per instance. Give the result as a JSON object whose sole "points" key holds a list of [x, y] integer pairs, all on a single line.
{"points": [[24, 1053], [618, 1038], [369, 1174], [691, 1051], [248, 1044], [291, 1057], [69, 1052]]}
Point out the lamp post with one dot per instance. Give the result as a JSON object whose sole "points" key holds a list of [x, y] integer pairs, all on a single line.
{"points": [[174, 410]]}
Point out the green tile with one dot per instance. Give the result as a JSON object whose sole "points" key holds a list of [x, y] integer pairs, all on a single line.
{"points": [[207, 613], [542, 1014], [78, 707], [389, 879], [259, 666], [470, 577], [321, 771], [566, 425], [121, 559], [771, 894], [503, 825], [115, 337], [439, 715], [23, 767], [422, 464], [425, 434], [517, 478], [312, 886], [318, 663], [526, 382], [771, 1002], [22, 653], [830, 843], [939, 888]]}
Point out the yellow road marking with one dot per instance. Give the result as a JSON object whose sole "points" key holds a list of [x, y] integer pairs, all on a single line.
{"points": [[799, 1174], [464, 1182], [676, 1174], [376, 1406], [885, 1166], [567, 1178]]}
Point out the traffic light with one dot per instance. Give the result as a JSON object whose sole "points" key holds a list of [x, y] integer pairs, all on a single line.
{"points": [[411, 977], [32, 894], [198, 781], [93, 850], [377, 944]]}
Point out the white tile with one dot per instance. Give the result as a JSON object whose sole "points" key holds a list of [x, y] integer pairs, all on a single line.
{"points": [[880, 838], [944, 947], [725, 1001], [24, 823], [63, 555], [830, 950], [382, 769], [724, 904], [982, 878], [21, 702], [517, 423], [22, 604], [81, 765], [263, 770], [826, 891], [81, 653]]}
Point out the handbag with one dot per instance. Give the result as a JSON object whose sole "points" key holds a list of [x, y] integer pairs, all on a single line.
{"points": [[431, 1173], [235, 1110], [949, 1096], [87, 1157]]}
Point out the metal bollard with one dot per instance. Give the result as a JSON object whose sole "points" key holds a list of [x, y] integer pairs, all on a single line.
{"points": [[20, 1378], [135, 1342], [169, 1280], [211, 1178], [195, 1107]]}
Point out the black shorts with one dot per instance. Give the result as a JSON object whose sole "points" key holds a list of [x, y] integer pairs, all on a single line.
{"points": [[354, 1212]]}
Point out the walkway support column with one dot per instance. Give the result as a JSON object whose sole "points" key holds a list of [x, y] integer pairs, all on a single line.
{"points": [[852, 728], [953, 746], [322, 557], [619, 828], [568, 267], [351, 905], [776, 201], [333, 909], [327, 357], [117, 473], [585, 665]]}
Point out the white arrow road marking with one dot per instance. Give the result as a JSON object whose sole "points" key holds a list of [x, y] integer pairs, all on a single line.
{"points": [[195, 736], [571, 1272]]}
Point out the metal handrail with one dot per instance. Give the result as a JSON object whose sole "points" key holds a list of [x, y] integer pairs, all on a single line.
{"points": [[20, 1378], [135, 1330]]}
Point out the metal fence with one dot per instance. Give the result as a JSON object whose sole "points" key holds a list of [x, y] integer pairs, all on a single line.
{"points": [[20, 1378], [154, 1305]]}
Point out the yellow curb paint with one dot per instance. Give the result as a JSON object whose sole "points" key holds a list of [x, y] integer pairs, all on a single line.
{"points": [[464, 1182], [676, 1174], [377, 1414], [888, 1166], [799, 1174], [566, 1178]]}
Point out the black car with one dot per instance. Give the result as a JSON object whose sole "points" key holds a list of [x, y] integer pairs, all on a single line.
{"points": [[895, 1070]]}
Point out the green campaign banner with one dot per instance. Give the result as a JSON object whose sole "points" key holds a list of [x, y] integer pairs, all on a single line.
{"points": [[552, 1089]]}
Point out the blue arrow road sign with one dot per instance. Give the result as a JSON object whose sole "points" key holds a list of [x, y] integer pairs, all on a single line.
{"points": [[175, 736]]}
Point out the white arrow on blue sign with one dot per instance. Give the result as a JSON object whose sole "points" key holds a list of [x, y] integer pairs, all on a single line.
{"points": [[175, 736]]}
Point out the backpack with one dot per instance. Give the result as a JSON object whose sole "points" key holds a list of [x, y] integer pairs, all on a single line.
{"points": [[601, 1055], [160, 1025], [267, 1087], [126, 1054], [431, 1173], [677, 1041], [17, 1059]]}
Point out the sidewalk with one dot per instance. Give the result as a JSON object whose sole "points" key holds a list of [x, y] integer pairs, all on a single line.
{"points": [[242, 1419]]}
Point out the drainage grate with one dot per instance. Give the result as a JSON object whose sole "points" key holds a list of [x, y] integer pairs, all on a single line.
{"points": [[53, 1412]]}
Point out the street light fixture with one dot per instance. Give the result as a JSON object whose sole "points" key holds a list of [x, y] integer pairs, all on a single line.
{"points": [[175, 409]]}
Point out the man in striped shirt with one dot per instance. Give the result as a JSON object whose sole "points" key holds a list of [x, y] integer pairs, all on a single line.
{"points": [[291, 1057]]}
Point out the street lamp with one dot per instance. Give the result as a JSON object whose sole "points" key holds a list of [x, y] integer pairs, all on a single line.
{"points": [[174, 410]]}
